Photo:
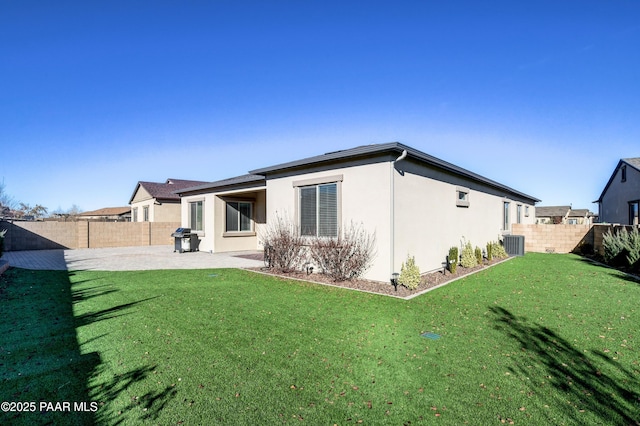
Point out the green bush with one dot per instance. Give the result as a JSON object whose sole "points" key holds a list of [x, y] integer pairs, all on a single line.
{"points": [[468, 256], [613, 246], [633, 247], [498, 251], [409, 274], [479, 255], [622, 248], [453, 260], [489, 251]]}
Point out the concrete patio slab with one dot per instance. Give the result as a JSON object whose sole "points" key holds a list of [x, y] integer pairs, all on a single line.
{"points": [[128, 259]]}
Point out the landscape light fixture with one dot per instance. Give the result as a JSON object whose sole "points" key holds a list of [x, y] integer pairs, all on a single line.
{"points": [[394, 280]]}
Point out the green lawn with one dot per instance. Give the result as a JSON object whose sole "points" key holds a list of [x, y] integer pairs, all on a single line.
{"points": [[543, 339]]}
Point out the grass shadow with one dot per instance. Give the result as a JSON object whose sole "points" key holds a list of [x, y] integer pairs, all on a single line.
{"points": [[150, 404], [40, 356], [584, 380], [42, 361], [620, 274], [109, 313]]}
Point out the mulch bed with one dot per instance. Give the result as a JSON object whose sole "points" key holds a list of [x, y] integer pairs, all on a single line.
{"points": [[428, 281]]}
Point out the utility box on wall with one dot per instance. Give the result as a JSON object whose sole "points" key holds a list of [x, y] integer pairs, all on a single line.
{"points": [[514, 245]]}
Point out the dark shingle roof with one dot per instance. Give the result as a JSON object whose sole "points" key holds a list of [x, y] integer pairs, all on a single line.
{"points": [[552, 211], [634, 162], [580, 213], [165, 191], [225, 183], [378, 149]]}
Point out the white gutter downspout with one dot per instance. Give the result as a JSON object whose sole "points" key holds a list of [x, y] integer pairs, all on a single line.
{"points": [[392, 212]]}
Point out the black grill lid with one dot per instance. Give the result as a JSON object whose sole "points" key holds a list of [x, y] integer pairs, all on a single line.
{"points": [[182, 232]]}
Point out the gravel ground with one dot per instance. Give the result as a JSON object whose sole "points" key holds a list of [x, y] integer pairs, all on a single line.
{"points": [[428, 280]]}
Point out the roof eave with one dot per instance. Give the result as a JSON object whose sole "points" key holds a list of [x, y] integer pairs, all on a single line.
{"points": [[613, 175], [221, 186], [370, 150]]}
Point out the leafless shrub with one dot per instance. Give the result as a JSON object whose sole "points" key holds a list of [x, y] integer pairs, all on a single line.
{"points": [[284, 247], [346, 257]]}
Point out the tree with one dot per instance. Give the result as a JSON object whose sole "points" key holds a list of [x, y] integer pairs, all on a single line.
{"points": [[5, 199], [67, 214], [39, 211], [22, 210]]}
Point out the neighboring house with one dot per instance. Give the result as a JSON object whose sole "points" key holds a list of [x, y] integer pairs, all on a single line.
{"points": [[414, 203], [563, 214], [107, 214], [158, 202], [552, 214], [5, 212], [580, 217], [620, 198]]}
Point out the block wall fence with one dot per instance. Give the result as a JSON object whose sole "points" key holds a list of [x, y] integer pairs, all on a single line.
{"points": [[563, 238], [539, 238], [84, 234]]}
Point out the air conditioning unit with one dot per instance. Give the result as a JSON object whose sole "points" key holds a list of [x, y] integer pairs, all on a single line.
{"points": [[514, 245]]}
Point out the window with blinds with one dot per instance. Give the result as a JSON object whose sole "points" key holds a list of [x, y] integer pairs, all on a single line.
{"points": [[319, 210], [238, 216]]}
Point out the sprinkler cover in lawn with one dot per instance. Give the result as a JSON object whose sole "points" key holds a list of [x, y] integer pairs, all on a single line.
{"points": [[432, 336]]}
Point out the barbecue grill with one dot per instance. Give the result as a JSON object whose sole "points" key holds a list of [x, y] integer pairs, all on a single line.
{"points": [[185, 240]]}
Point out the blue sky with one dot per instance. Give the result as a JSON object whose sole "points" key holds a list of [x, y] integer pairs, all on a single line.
{"points": [[542, 96]]}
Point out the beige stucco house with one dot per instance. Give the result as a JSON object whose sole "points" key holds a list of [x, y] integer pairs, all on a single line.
{"points": [[553, 215], [620, 198], [107, 214], [414, 203], [157, 201]]}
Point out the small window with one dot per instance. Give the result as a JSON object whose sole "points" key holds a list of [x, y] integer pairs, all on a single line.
{"points": [[519, 213], [462, 197], [623, 174], [238, 216], [135, 214], [145, 213], [195, 216], [505, 217], [526, 211]]}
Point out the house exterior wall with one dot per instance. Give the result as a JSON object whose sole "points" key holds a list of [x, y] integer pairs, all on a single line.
{"points": [[614, 206], [213, 236], [140, 205], [239, 241], [166, 211], [429, 220], [364, 199], [141, 199], [410, 207], [206, 234]]}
